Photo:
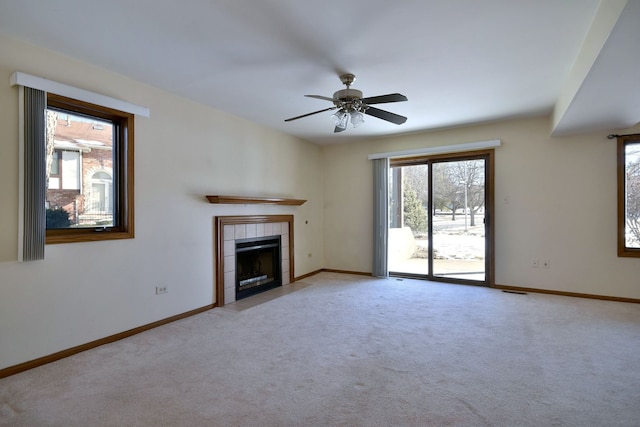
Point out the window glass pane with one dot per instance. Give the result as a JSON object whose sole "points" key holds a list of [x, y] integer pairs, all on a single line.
{"points": [[55, 163], [80, 190], [408, 219], [459, 244], [632, 194]]}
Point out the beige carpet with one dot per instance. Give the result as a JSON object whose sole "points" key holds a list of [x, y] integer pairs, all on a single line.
{"points": [[355, 351]]}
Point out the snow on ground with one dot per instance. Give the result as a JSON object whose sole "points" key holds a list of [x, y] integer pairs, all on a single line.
{"points": [[458, 252], [451, 241]]}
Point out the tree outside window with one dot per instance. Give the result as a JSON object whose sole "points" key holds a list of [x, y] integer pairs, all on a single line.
{"points": [[629, 195]]}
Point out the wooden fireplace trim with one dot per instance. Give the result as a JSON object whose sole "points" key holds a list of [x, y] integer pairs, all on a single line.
{"points": [[221, 221]]}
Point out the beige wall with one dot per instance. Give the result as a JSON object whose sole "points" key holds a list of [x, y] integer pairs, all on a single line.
{"points": [[561, 206], [561, 191], [86, 291]]}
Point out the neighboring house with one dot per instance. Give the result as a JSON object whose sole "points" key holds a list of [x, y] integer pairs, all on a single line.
{"points": [[80, 176]]}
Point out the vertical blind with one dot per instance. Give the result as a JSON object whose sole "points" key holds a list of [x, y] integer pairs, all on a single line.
{"points": [[34, 173], [380, 216]]}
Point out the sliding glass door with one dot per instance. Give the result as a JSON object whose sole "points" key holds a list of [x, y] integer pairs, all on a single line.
{"points": [[438, 223]]}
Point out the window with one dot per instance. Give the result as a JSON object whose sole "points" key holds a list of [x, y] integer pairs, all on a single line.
{"points": [[63, 167], [629, 196], [45, 168], [89, 172], [54, 169]]}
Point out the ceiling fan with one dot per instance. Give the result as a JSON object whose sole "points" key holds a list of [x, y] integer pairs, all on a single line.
{"points": [[351, 105]]}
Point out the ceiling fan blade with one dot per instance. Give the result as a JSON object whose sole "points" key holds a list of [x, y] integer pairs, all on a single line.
{"points": [[310, 114], [326, 98], [385, 115], [392, 97]]}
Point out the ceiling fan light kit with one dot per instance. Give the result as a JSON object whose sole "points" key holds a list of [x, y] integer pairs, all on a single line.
{"points": [[341, 119], [351, 105], [357, 118]]}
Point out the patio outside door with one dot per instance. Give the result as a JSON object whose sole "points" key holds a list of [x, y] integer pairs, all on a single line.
{"points": [[438, 219]]}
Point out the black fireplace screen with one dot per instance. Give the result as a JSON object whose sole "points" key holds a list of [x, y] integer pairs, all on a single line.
{"points": [[258, 265]]}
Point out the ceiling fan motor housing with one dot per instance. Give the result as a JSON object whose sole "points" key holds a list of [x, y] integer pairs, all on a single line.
{"points": [[348, 99]]}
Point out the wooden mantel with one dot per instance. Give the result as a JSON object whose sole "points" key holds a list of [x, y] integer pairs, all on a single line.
{"points": [[243, 200]]}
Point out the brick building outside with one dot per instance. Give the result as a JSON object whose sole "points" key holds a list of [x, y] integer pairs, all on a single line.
{"points": [[80, 170]]}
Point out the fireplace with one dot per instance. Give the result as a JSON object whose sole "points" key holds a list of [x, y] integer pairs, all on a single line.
{"points": [[258, 265], [241, 229]]}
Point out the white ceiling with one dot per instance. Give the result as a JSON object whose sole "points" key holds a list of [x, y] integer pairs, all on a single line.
{"points": [[458, 61]]}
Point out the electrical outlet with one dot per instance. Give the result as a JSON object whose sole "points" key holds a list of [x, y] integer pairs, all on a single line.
{"points": [[546, 263], [535, 263], [161, 290]]}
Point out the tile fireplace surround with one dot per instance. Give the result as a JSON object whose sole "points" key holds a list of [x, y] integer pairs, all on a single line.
{"points": [[230, 228]]}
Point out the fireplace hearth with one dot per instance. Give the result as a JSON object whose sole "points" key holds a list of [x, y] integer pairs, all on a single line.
{"points": [[258, 265]]}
